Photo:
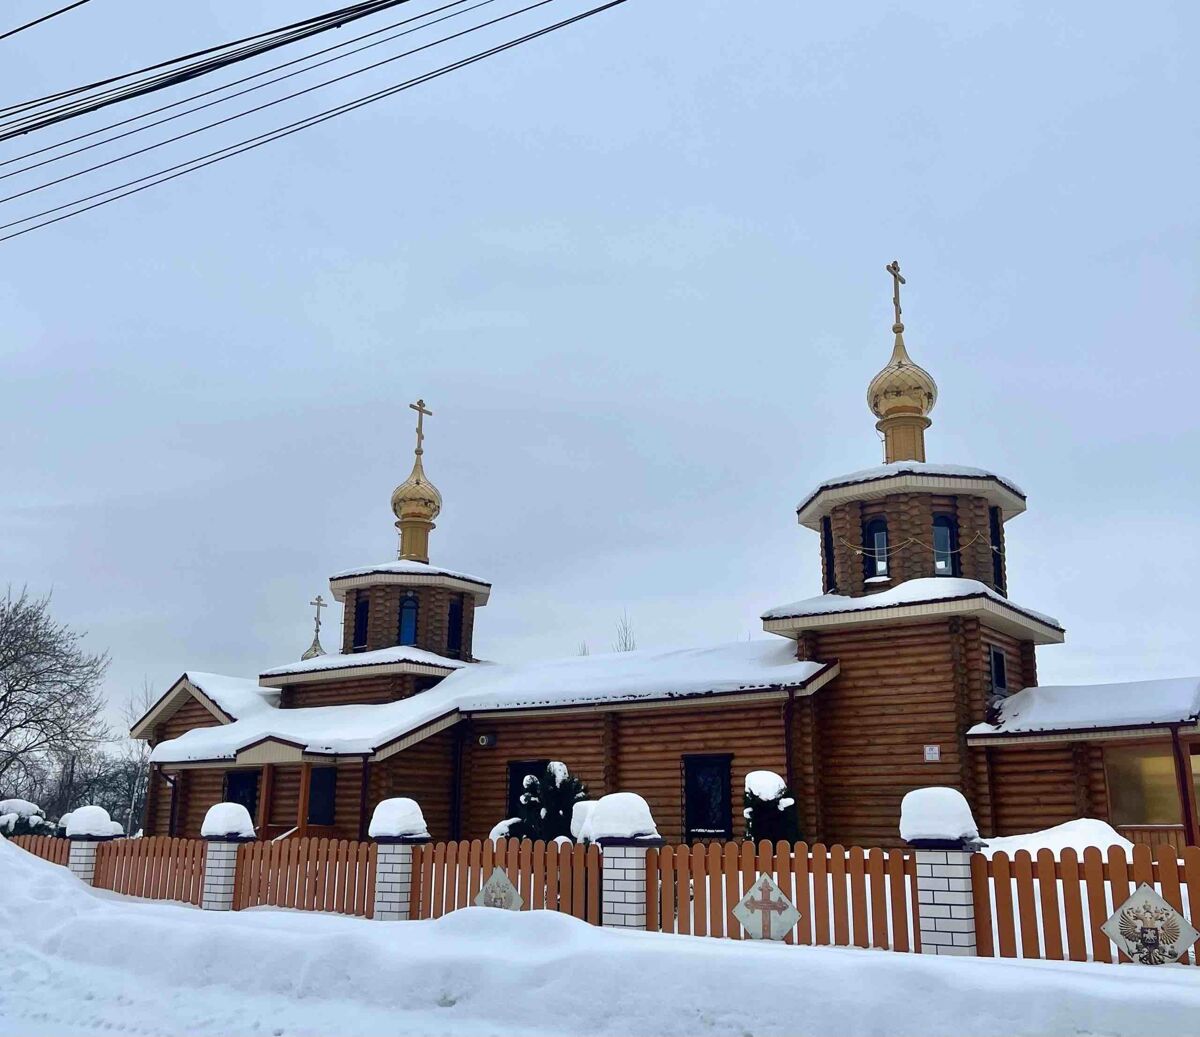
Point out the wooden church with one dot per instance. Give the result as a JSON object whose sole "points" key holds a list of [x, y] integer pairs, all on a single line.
{"points": [[914, 667]]}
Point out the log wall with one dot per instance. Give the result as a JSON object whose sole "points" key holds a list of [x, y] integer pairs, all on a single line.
{"points": [[424, 772]]}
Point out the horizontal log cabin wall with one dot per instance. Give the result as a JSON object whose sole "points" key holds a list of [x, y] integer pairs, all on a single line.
{"points": [[433, 618], [345, 691], [424, 772], [191, 714]]}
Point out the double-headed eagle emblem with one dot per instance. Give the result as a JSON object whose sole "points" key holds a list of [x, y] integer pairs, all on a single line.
{"points": [[1151, 933]]}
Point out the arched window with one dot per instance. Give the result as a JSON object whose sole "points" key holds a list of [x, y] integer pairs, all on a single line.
{"points": [[407, 634], [945, 546], [875, 548]]}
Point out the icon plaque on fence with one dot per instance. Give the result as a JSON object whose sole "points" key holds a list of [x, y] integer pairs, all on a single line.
{"points": [[765, 913], [1149, 929], [499, 892]]}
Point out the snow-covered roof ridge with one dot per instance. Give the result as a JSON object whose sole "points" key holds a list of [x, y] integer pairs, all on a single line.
{"points": [[925, 590], [887, 471], [407, 567], [236, 696], [644, 675], [1050, 708], [379, 657]]}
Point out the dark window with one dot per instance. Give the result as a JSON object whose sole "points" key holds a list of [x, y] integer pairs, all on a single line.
{"points": [[875, 548], [999, 670], [518, 771], [242, 787], [945, 546], [827, 549], [321, 784], [707, 803], [454, 626], [994, 520], [360, 623], [407, 632]]}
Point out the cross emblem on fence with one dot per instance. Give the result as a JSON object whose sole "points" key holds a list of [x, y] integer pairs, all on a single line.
{"points": [[765, 912]]}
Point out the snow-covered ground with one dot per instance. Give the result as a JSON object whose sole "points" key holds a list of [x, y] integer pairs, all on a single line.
{"points": [[73, 960]]}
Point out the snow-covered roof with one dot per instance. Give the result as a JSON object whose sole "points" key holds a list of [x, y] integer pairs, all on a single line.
{"points": [[644, 675], [389, 657], [1087, 707], [929, 590], [234, 697], [908, 476], [408, 573]]}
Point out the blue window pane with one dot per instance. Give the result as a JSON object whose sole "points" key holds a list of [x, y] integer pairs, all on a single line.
{"points": [[408, 622]]}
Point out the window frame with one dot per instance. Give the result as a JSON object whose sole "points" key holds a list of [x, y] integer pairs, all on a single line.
{"points": [[455, 621], [873, 529], [410, 606], [950, 524], [995, 652], [724, 761], [1170, 785], [362, 623], [535, 767], [240, 773], [996, 538], [829, 555], [331, 771]]}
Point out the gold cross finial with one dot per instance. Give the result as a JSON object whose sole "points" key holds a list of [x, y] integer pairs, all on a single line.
{"points": [[319, 602], [422, 414], [893, 268]]}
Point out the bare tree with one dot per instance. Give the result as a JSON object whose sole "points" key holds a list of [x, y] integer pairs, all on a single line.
{"points": [[624, 641], [584, 649], [50, 702]]}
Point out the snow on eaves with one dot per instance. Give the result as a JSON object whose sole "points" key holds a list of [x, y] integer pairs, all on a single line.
{"points": [[912, 592], [887, 471], [380, 657], [237, 696], [406, 567], [579, 680], [1096, 706]]}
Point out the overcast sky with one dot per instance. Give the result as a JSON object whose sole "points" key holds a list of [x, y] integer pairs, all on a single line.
{"points": [[636, 270]]}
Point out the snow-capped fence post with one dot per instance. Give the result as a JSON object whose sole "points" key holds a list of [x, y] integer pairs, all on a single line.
{"points": [[396, 826], [623, 826], [87, 828], [937, 824], [226, 826]]}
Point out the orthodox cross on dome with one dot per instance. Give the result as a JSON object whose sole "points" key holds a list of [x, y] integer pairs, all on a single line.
{"points": [[893, 268], [422, 414], [315, 648]]}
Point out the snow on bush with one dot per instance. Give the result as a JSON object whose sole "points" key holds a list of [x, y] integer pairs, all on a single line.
{"points": [[398, 818], [580, 814], [547, 803], [85, 821], [1077, 835], [765, 784], [620, 815], [21, 807], [20, 817], [937, 813], [770, 809], [227, 819], [501, 830]]}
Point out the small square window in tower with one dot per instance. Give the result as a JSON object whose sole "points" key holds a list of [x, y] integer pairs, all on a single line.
{"points": [[322, 783], [707, 797], [518, 771], [361, 605], [998, 667], [406, 633], [945, 546], [242, 787]]}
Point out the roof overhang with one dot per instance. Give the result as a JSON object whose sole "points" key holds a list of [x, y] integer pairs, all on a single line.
{"points": [[339, 585], [176, 695], [1134, 732], [988, 610], [280, 680], [823, 500]]}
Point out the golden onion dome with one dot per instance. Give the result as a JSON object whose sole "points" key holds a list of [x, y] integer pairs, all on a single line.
{"points": [[416, 497], [902, 387]]}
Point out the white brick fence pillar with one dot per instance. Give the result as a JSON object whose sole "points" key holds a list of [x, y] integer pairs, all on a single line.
{"points": [[220, 873], [81, 858], [623, 882], [393, 877], [945, 905]]}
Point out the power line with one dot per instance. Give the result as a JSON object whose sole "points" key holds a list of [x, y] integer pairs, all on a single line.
{"points": [[43, 18], [270, 104], [226, 86], [285, 131]]}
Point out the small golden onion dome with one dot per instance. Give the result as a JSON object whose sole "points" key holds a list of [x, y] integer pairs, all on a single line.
{"points": [[902, 387], [416, 497]]}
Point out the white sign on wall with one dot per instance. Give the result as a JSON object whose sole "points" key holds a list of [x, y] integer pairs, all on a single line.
{"points": [[933, 753]]}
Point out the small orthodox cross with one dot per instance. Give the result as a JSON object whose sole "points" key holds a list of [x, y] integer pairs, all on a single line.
{"points": [[765, 906], [319, 602], [893, 268], [422, 414]]}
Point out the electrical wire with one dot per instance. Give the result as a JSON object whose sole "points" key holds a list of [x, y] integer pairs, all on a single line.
{"points": [[285, 131], [270, 104], [43, 18]]}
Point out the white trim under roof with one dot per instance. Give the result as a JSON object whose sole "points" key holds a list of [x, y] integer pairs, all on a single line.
{"points": [[341, 673], [1001, 616], [340, 583], [169, 705], [826, 497], [1088, 734]]}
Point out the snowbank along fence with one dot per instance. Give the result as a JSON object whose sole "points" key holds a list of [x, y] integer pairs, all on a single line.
{"points": [[1047, 907], [157, 867], [547, 876], [47, 847], [846, 897], [309, 874]]}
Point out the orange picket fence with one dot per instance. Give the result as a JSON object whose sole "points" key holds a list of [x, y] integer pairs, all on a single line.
{"points": [[846, 898], [548, 876], [309, 874], [56, 851], [157, 867], [1043, 907]]}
